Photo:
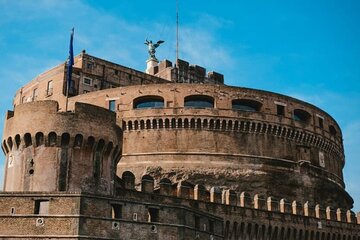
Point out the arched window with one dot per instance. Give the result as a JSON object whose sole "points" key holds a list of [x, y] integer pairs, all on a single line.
{"points": [[52, 137], [39, 138], [17, 140], [179, 123], [301, 116], [161, 123], [246, 105], [199, 101], [27, 138], [148, 102]]}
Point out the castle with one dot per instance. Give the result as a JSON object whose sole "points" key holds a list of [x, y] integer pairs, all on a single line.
{"points": [[172, 153]]}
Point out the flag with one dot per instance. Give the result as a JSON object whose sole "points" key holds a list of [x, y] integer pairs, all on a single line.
{"points": [[70, 60]]}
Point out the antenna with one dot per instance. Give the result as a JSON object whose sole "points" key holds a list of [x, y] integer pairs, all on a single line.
{"points": [[177, 38]]}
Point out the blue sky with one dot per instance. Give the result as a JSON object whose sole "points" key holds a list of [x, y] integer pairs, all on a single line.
{"points": [[306, 49]]}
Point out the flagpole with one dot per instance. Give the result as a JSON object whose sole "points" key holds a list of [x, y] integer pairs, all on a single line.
{"points": [[177, 41], [70, 63]]}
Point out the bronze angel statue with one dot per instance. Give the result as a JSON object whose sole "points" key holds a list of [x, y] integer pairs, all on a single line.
{"points": [[151, 48]]}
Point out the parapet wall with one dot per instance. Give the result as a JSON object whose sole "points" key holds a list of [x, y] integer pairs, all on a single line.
{"points": [[216, 195]]}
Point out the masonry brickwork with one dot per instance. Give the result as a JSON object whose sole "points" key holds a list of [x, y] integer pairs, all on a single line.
{"points": [[174, 154]]}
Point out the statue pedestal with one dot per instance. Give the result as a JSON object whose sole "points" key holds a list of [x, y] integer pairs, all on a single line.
{"points": [[150, 65]]}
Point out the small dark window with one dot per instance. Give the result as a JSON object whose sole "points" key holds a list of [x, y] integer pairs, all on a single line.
{"points": [[301, 116], [41, 207], [211, 226], [112, 105], [246, 105], [52, 139], [197, 222], [321, 122], [116, 211], [153, 214], [27, 138], [88, 81], [39, 138], [89, 65], [332, 130], [149, 102], [199, 101], [116, 72], [280, 110]]}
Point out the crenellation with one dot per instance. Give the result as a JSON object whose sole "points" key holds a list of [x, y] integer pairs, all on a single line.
{"points": [[147, 184], [285, 206], [229, 197], [245, 200], [259, 202], [185, 190], [215, 195]]}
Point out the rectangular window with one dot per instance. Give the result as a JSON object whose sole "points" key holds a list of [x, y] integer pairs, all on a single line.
{"points": [[88, 81], [153, 215], [116, 211], [35, 94], [112, 105], [41, 207], [280, 110], [321, 122], [116, 72], [49, 90]]}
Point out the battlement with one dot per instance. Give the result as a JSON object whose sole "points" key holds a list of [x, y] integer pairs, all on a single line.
{"points": [[183, 72], [45, 116], [219, 196]]}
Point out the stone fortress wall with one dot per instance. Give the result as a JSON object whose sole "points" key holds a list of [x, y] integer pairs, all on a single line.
{"points": [[198, 161]]}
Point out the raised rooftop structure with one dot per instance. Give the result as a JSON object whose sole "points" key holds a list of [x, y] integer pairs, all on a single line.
{"points": [[172, 154]]}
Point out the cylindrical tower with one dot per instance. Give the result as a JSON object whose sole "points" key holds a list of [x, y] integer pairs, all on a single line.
{"points": [[237, 138], [49, 150]]}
